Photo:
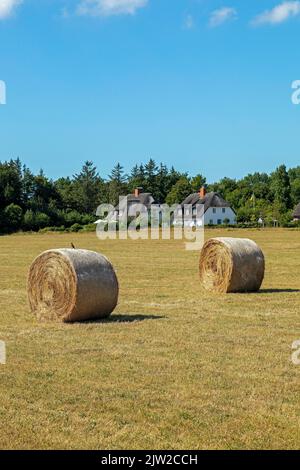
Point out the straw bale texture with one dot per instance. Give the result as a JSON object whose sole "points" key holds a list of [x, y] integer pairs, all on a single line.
{"points": [[231, 265], [72, 285]]}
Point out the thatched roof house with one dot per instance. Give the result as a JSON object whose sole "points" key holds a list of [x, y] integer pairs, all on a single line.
{"points": [[296, 213], [128, 204], [217, 211], [146, 199]]}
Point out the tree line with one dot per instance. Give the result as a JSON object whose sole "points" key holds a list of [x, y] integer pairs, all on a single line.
{"points": [[33, 201]]}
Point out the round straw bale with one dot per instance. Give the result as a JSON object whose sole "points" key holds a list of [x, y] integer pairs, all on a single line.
{"points": [[231, 265], [72, 285]]}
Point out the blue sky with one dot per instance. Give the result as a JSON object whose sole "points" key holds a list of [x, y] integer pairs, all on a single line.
{"points": [[204, 85]]}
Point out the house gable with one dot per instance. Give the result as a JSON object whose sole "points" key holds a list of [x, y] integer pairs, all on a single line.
{"points": [[216, 208], [296, 213]]}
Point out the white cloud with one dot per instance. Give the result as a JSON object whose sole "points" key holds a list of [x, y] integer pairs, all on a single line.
{"points": [[189, 22], [222, 15], [109, 7], [278, 14], [7, 7]]}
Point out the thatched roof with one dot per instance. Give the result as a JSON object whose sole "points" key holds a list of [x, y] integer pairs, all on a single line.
{"points": [[211, 199], [296, 212], [144, 198]]}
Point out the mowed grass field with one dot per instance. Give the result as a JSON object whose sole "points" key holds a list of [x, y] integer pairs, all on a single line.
{"points": [[174, 367]]}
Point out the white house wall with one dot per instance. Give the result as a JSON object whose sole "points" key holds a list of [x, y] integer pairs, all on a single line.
{"points": [[211, 217]]}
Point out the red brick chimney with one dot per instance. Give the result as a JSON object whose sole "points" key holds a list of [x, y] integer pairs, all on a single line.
{"points": [[137, 192], [202, 192]]}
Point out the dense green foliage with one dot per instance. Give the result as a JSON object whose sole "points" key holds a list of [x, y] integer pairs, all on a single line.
{"points": [[33, 202]]}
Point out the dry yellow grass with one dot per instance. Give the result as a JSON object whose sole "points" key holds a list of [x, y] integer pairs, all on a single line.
{"points": [[175, 367]]}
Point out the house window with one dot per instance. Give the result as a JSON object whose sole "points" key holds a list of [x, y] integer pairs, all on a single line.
{"points": [[214, 210], [223, 210], [211, 222], [219, 222]]}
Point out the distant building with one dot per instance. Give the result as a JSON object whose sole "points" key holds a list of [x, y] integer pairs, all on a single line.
{"points": [[296, 213], [138, 197], [217, 211], [122, 211]]}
